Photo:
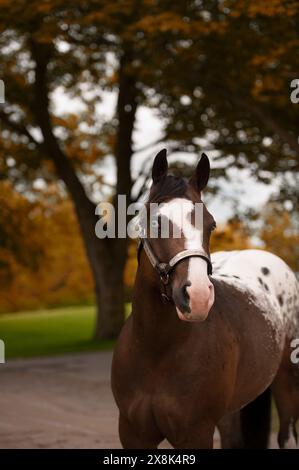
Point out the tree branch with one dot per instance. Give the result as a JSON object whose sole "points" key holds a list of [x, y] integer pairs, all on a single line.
{"points": [[126, 113], [19, 128], [268, 121], [41, 55]]}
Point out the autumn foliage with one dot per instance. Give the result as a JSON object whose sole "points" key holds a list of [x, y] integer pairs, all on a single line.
{"points": [[214, 72], [43, 262]]}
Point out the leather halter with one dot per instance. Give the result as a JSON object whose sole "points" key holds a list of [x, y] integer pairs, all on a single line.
{"points": [[164, 269]]}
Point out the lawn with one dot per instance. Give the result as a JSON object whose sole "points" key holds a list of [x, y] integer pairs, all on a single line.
{"points": [[53, 331]]}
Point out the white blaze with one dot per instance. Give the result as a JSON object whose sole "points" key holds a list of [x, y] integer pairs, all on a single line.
{"points": [[178, 211], [201, 293]]}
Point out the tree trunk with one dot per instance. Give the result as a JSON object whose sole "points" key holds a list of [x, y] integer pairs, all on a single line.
{"points": [[110, 294], [111, 286], [107, 257]]}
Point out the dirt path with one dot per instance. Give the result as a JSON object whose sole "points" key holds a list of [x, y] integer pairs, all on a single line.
{"points": [[58, 402]]}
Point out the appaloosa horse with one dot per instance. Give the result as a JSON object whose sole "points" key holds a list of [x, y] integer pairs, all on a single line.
{"points": [[201, 349]]}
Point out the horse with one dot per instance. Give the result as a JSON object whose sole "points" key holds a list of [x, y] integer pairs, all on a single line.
{"points": [[209, 338]]}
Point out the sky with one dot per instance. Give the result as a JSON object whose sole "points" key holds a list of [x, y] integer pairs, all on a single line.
{"points": [[241, 186]]}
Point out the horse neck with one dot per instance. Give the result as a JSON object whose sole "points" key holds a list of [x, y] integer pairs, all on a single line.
{"points": [[153, 319]]}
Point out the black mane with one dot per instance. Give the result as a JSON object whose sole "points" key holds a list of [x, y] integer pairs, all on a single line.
{"points": [[168, 188]]}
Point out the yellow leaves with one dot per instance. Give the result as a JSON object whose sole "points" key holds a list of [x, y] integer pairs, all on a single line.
{"points": [[231, 236], [17, 229], [62, 274], [277, 235], [280, 236]]}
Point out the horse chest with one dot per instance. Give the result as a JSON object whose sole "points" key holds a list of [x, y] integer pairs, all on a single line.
{"points": [[140, 409], [159, 408], [168, 398]]}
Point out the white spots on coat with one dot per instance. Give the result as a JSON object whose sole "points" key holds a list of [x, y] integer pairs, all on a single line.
{"points": [[269, 280]]}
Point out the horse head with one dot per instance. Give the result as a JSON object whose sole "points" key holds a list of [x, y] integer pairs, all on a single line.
{"points": [[179, 236]]}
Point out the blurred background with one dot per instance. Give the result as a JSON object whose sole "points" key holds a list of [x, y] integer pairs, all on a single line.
{"points": [[92, 91]]}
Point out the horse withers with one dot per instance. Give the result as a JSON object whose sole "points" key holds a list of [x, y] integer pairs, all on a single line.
{"points": [[204, 349]]}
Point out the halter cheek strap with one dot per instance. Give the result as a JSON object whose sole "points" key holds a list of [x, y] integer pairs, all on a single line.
{"points": [[164, 269]]}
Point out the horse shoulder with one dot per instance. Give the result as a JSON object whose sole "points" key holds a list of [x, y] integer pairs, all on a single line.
{"points": [[267, 279]]}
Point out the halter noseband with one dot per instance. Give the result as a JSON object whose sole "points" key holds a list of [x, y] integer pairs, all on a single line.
{"points": [[164, 269]]}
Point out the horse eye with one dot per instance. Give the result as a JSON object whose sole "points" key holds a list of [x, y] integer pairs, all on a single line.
{"points": [[213, 226]]}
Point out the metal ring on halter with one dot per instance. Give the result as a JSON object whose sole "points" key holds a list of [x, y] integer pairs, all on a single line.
{"points": [[164, 278]]}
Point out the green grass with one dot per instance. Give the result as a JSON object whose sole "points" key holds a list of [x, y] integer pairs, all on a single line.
{"points": [[47, 332]]}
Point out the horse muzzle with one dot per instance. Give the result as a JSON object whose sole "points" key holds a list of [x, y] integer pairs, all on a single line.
{"points": [[192, 301]]}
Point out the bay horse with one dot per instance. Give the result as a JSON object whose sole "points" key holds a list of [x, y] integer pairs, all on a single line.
{"points": [[204, 350]]}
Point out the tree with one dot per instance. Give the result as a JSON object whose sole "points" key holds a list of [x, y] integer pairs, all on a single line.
{"points": [[232, 93], [195, 62], [33, 66], [61, 44]]}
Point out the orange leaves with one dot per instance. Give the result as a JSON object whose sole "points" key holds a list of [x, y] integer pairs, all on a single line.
{"points": [[267, 61], [280, 234], [80, 142], [163, 22], [46, 232], [231, 236], [269, 8], [266, 85], [94, 17], [19, 234], [173, 23], [272, 8], [44, 6]]}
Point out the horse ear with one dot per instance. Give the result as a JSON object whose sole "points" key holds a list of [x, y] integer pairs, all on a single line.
{"points": [[200, 177], [160, 166]]}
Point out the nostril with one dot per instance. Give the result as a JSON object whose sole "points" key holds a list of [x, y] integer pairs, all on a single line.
{"points": [[181, 297], [184, 289]]}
